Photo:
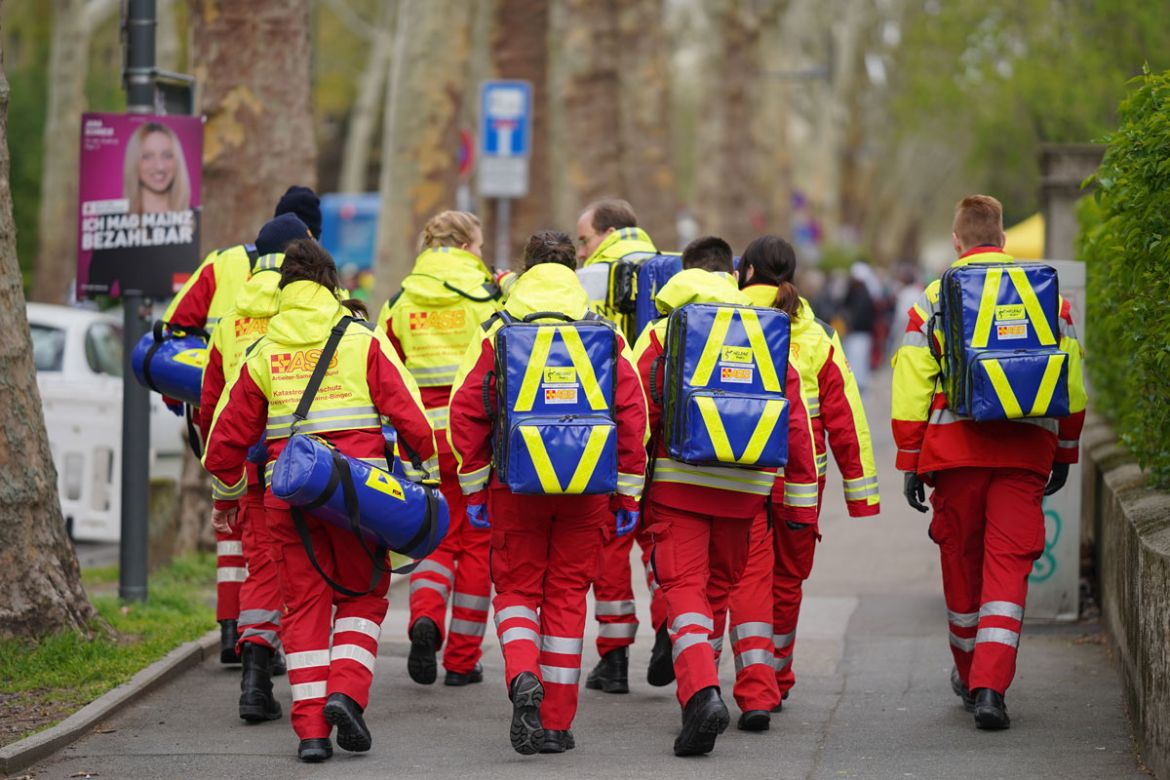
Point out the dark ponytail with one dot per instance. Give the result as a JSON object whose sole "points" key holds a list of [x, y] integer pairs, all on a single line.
{"points": [[772, 259], [307, 261], [787, 299]]}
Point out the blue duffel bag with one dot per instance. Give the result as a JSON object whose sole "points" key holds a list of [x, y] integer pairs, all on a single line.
{"points": [[171, 361], [390, 512]]}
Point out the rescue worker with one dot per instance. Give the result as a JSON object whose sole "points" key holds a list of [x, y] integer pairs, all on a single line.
{"points": [[766, 273], [331, 638], [200, 303], [545, 548], [607, 231], [989, 478], [247, 321], [431, 322], [701, 517]]}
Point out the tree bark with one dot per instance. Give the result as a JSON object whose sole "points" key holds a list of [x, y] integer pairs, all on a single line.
{"points": [[73, 24], [363, 118], [258, 140], [40, 581], [432, 45]]}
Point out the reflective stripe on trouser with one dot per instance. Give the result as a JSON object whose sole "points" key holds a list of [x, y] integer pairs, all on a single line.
{"points": [[310, 625], [657, 603], [545, 551], [260, 595], [456, 571], [697, 558], [614, 591], [750, 611], [230, 573], [989, 526], [793, 561]]}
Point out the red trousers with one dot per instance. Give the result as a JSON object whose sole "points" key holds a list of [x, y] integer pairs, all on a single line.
{"points": [[751, 613], [793, 551], [457, 568], [330, 640], [697, 558], [989, 527], [230, 571], [259, 597], [546, 550], [614, 591]]}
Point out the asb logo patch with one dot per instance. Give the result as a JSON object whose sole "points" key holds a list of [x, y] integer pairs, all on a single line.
{"points": [[301, 360], [454, 319], [560, 395], [740, 376], [246, 326]]}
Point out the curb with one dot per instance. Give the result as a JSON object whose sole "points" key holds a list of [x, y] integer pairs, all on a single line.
{"points": [[30, 750]]}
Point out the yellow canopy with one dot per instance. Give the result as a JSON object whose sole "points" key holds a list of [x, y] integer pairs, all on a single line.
{"points": [[1025, 241]]}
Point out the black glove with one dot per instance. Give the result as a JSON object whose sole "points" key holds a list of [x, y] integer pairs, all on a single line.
{"points": [[1058, 478], [915, 492]]}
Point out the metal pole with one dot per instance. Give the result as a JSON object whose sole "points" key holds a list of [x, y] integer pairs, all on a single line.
{"points": [[140, 22], [503, 231], [135, 458]]}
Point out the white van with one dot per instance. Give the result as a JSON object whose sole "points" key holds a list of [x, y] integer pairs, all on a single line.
{"points": [[78, 356]]}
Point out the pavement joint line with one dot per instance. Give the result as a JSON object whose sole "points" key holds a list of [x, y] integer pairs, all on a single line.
{"points": [[30, 750]]}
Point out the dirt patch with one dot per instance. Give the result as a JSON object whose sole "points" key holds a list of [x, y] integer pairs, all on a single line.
{"points": [[26, 712]]}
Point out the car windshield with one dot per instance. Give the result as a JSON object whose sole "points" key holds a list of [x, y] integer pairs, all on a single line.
{"points": [[48, 347], [103, 348]]}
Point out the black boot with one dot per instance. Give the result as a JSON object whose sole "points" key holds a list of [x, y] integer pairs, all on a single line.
{"points": [[527, 733], [704, 718], [344, 713], [229, 637], [314, 751], [558, 741], [990, 710], [661, 669], [464, 678], [612, 673], [960, 689], [754, 720], [424, 640], [256, 700], [279, 668]]}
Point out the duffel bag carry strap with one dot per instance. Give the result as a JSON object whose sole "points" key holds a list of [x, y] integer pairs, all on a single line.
{"points": [[194, 441]]}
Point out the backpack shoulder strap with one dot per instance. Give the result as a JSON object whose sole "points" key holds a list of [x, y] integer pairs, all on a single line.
{"points": [[319, 372]]}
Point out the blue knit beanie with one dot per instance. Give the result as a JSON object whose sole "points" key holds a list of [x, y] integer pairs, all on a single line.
{"points": [[303, 202], [279, 232]]}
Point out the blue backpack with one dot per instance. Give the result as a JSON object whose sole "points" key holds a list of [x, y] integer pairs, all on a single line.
{"points": [[652, 274], [555, 383], [724, 398], [1001, 356]]}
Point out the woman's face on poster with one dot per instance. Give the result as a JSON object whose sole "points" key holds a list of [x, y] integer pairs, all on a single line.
{"points": [[157, 166]]}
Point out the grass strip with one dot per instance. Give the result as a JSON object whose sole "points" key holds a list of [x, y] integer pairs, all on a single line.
{"points": [[43, 681]]}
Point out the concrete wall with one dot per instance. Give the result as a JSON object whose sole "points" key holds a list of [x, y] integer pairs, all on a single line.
{"points": [[1131, 527]]}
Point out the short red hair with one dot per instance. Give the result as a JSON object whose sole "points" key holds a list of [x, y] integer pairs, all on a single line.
{"points": [[978, 221]]}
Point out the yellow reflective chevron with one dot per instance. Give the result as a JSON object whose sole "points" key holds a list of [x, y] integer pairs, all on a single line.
{"points": [[755, 334], [535, 370], [1047, 385], [755, 446], [1032, 306], [549, 483], [712, 349], [986, 308], [1003, 389]]}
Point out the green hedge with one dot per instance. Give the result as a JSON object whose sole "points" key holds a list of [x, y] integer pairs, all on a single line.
{"points": [[1126, 245]]}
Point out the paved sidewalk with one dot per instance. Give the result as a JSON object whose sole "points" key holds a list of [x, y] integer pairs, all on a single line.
{"points": [[873, 698]]}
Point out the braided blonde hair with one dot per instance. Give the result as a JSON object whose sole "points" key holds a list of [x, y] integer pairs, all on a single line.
{"points": [[449, 228]]}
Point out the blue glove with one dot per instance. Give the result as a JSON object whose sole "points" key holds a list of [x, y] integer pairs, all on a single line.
{"points": [[627, 520], [477, 515]]}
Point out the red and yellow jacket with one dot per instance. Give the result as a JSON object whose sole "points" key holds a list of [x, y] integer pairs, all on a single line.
{"points": [[365, 381], [833, 403], [725, 491], [931, 437], [211, 291], [546, 287], [444, 300]]}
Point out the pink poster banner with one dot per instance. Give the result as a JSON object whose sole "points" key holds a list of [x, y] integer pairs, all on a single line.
{"points": [[139, 203]]}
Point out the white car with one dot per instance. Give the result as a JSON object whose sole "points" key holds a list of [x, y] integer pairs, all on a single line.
{"points": [[78, 356]]}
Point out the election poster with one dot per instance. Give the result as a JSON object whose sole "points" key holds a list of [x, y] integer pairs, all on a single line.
{"points": [[140, 208]]}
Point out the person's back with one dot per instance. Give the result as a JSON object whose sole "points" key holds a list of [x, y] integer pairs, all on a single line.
{"points": [[607, 232]]}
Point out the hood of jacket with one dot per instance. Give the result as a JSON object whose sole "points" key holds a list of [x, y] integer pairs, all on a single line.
{"points": [[694, 285], [548, 287], [622, 242], [444, 275], [307, 313], [765, 295], [260, 295]]}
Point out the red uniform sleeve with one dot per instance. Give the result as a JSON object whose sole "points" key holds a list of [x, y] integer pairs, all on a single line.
{"points": [[630, 411], [469, 429], [213, 383], [1069, 433], [841, 426], [394, 340], [393, 399], [190, 308], [795, 495], [237, 427], [645, 363]]}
